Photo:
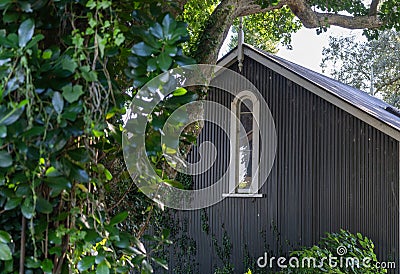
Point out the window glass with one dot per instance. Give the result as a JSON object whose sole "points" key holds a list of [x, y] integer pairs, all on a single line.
{"points": [[245, 146]]}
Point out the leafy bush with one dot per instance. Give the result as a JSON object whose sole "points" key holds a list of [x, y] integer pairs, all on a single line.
{"points": [[344, 248], [62, 97]]}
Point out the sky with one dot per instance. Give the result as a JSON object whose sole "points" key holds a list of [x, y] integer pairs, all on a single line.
{"points": [[307, 46]]}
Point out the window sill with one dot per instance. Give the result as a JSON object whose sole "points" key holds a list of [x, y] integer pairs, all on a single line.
{"points": [[243, 195]]}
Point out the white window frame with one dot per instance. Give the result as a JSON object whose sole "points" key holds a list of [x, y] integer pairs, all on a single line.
{"points": [[252, 191]]}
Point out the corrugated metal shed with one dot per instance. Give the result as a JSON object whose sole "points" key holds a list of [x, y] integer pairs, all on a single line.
{"points": [[337, 166]]}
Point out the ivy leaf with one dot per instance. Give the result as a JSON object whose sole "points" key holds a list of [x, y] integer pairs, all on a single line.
{"points": [[141, 49], [5, 252], [68, 64], [47, 54], [58, 102], [86, 263], [72, 93], [25, 32], [5, 159]]}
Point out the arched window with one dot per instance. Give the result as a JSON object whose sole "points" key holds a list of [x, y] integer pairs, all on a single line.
{"points": [[244, 173]]}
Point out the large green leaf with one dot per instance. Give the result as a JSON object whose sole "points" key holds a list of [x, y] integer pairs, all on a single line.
{"points": [[5, 252], [161, 262], [141, 49], [146, 267], [43, 206], [5, 159], [156, 30], [12, 203], [102, 268], [164, 61], [79, 174], [5, 237], [79, 154], [58, 102], [4, 3], [86, 263], [25, 32], [27, 208], [34, 41], [8, 117], [119, 218], [169, 25], [151, 64], [57, 184]]}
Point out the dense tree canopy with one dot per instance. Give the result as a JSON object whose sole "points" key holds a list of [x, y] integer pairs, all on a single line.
{"points": [[312, 14], [68, 69], [371, 66]]}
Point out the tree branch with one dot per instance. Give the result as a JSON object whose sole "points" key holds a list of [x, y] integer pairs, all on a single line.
{"points": [[388, 83], [212, 37], [373, 8], [312, 19], [252, 8], [217, 27]]}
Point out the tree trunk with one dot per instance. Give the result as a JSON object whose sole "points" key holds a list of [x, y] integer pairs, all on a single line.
{"points": [[215, 32]]}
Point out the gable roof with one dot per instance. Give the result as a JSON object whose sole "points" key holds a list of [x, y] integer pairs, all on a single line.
{"points": [[367, 108]]}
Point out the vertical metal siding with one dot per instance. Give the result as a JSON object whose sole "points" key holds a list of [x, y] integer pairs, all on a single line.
{"points": [[332, 171]]}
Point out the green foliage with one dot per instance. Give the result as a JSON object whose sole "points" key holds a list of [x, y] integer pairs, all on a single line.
{"points": [[390, 12], [196, 13], [60, 134], [266, 30], [68, 69], [353, 7], [224, 253], [159, 51], [362, 64], [357, 246]]}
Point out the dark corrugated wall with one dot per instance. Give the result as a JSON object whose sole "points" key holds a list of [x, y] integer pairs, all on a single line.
{"points": [[331, 171]]}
